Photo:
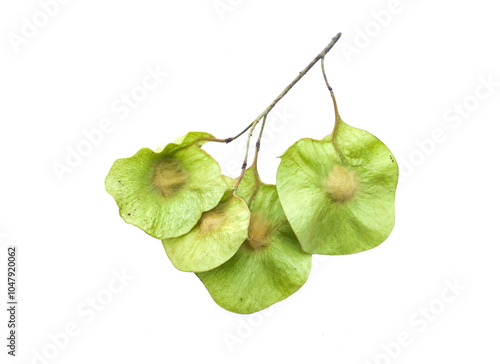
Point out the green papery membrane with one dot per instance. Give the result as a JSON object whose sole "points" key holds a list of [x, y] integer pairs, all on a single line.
{"points": [[214, 239], [312, 176], [269, 266], [165, 193]]}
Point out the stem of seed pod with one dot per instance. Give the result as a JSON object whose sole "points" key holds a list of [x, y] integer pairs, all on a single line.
{"points": [[254, 164], [227, 140], [257, 144], [337, 115], [244, 166]]}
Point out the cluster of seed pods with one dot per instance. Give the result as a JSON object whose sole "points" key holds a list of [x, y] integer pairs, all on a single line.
{"points": [[249, 242]]}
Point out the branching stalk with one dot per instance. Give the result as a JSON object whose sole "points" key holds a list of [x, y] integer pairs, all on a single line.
{"points": [[264, 114], [244, 165], [257, 144]]}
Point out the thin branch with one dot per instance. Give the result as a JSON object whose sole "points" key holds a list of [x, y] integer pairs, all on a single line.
{"points": [[264, 114], [301, 74], [288, 88], [229, 140]]}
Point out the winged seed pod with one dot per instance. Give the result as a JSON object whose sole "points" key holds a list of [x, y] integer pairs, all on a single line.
{"points": [[338, 193], [165, 193], [215, 238], [269, 266]]}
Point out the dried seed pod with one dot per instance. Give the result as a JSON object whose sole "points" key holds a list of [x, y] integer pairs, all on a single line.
{"points": [[165, 193], [215, 238], [269, 266], [338, 194]]}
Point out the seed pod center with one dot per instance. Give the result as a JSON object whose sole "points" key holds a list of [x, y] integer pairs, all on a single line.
{"points": [[169, 177], [342, 184], [259, 232], [211, 221]]}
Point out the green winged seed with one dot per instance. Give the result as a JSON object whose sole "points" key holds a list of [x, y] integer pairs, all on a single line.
{"points": [[339, 206], [215, 238], [269, 266], [165, 193]]}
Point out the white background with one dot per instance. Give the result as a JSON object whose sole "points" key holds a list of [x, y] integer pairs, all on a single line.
{"points": [[402, 82]]}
